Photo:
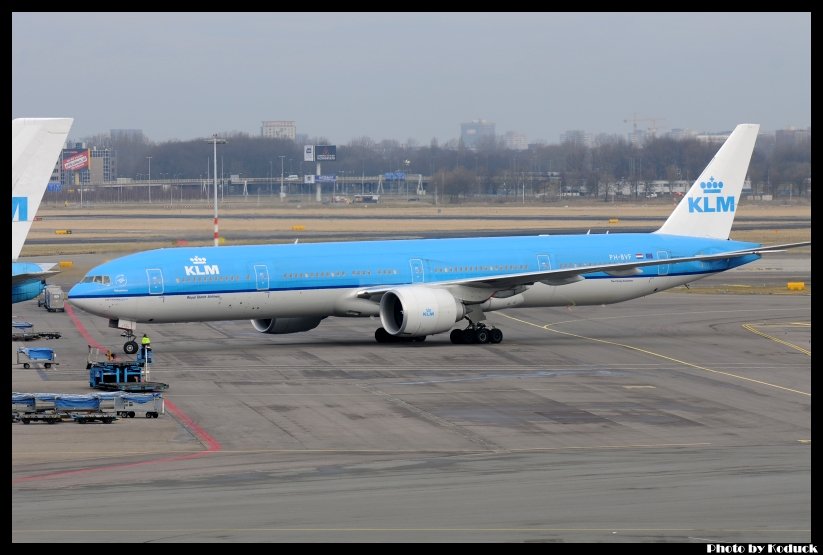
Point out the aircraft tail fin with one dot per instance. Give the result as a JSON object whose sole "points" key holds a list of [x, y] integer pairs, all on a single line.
{"points": [[35, 147], [708, 209]]}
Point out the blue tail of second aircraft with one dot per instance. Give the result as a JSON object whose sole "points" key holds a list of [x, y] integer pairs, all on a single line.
{"points": [[709, 207], [35, 149]]}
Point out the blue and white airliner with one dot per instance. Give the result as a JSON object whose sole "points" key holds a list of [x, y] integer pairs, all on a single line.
{"points": [[35, 149], [424, 287]]}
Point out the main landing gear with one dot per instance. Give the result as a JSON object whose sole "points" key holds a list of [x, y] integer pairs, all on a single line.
{"points": [[476, 333], [130, 346]]}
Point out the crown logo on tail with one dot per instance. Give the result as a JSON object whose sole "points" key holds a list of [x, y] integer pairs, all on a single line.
{"points": [[712, 187]]}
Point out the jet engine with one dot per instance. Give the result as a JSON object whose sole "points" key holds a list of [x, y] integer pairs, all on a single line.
{"points": [[419, 311], [285, 325]]}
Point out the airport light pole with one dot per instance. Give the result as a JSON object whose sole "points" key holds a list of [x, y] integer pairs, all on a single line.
{"points": [[215, 141], [149, 159], [282, 191], [270, 183], [406, 164]]}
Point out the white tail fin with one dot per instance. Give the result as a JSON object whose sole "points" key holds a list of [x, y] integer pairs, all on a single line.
{"points": [[35, 147], [708, 208]]}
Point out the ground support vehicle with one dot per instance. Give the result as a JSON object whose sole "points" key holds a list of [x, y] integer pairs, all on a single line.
{"points": [[121, 375]]}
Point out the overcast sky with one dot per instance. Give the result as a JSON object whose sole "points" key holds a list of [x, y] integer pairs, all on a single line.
{"points": [[412, 76]]}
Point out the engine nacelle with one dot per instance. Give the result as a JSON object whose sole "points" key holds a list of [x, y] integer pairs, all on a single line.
{"points": [[285, 325], [416, 311]]}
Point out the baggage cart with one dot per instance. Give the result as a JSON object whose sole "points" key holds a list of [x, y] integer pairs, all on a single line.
{"points": [[36, 355], [24, 331]]}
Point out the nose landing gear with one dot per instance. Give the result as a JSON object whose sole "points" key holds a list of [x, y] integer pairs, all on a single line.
{"points": [[130, 346]]}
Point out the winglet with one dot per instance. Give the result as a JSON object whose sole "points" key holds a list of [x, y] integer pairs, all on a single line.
{"points": [[708, 209]]}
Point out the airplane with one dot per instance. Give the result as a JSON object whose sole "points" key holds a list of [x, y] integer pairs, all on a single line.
{"points": [[35, 148], [422, 287]]}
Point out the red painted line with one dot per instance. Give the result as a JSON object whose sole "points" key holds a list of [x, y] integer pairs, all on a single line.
{"points": [[81, 328], [212, 445]]}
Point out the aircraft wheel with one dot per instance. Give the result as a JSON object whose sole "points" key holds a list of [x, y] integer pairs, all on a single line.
{"points": [[456, 336], [469, 337], [130, 347], [481, 335], [26, 365], [495, 335]]}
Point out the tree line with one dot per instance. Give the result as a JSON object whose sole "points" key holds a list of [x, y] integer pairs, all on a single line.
{"points": [[459, 172]]}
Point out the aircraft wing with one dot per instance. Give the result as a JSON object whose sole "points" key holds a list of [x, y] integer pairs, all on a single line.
{"points": [[45, 271], [516, 283]]}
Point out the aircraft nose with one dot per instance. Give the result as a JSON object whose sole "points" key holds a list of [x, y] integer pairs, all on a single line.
{"points": [[76, 298], [72, 292]]}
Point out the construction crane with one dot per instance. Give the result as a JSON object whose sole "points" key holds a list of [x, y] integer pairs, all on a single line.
{"points": [[652, 129]]}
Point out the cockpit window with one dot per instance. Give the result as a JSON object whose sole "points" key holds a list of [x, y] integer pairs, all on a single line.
{"points": [[103, 280]]}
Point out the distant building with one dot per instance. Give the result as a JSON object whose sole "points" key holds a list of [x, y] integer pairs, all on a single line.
{"points": [[715, 138], [279, 130], [607, 139], [791, 136], [474, 132], [101, 166], [679, 134], [81, 165], [577, 137], [637, 137], [515, 141]]}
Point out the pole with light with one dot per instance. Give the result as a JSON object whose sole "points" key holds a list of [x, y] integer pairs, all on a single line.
{"points": [[282, 189], [215, 141], [149, 159]]}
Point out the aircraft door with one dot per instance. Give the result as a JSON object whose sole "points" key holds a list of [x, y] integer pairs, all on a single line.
{"points": [[543, 263], [155, 278], [417, 270], [261, 271], [663, 269]]}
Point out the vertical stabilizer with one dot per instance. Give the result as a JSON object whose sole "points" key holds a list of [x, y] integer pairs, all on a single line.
{"points": [[709, 207], [35, 148]]}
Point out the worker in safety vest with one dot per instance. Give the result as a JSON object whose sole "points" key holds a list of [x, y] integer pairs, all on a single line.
{"points": [[145, 344]]}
